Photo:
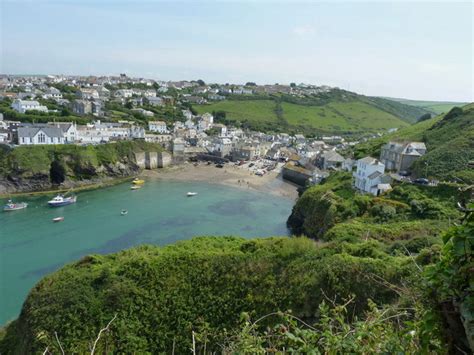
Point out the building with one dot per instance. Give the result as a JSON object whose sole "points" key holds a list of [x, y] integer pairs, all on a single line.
{"points": [[52, 93], [22, 106], [400, 156], [158, 126], [87, 94], [331, 160], [370, 176], [155, 101], [82, 107], [34, 135]]}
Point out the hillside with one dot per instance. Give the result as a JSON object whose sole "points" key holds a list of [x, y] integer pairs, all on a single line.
{"points": [[338, 112], [435, 107], [450, 142], [233, 295], [36, 168]]}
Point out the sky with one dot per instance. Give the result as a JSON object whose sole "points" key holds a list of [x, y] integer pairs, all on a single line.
{"points": [[418, 50]]}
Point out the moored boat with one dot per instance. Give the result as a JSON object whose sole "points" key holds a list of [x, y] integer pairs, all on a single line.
{"points": [[60, 200], [58, 219], [135, 187], [138, 181], [190, 194], [123, 212], [10, 206]]}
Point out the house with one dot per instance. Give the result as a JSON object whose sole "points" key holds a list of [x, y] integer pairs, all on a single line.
{"points": [[82, 107], [331, 160], [245, 152], [124, 93], [370, 176], [155, 101], [221, 147], [52, 93], [36, 135], [145, 113], [221, 129], [69, 130], [299, 139], [22, 106], [401, 156], [157, 126], [87, 93]]}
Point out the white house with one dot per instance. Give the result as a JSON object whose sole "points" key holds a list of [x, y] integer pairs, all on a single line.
{"points": [[158, 126], [52, 93], [22, 106], [370, 176], [40, 135]]}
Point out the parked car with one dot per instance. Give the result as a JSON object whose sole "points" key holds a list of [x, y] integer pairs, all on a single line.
{"points": [[421, 181], [219, 165], [251, 164], [404, 173]]}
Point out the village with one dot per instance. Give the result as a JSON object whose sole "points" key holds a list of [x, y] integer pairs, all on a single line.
{"points": [[191, 137]]}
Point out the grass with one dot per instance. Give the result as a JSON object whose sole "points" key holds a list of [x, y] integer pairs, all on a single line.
{"points": [[436, 107], [335, 117]]}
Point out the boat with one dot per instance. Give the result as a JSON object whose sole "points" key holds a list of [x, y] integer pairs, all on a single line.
{"points": [[135, 187], [58, 219], [123, 212], [60, 200], [10, 206], [190, 194], [138, 181]]}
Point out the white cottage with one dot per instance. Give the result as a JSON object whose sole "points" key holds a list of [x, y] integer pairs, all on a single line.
{"points": [[370, 176]]}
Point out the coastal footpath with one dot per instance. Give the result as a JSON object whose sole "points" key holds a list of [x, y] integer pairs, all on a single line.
{"points": [[58, 167]]}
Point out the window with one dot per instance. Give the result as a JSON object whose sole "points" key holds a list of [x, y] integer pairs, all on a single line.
{"points": [[41, 138]]}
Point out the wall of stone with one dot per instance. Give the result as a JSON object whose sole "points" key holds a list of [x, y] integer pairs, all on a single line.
{"points": [[164, 159], [151, 160], [140, 160]]}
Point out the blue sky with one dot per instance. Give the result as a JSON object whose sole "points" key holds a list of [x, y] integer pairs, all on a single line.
{"points": [[420, 50]]}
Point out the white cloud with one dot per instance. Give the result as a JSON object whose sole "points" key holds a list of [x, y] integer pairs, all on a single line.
{"points": [[304, 31]]}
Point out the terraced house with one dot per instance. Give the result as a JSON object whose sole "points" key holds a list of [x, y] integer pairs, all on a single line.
{"points": [[400, 156]]}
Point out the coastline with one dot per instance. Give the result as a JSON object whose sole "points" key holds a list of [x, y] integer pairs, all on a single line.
{"points": [[230, 175]]}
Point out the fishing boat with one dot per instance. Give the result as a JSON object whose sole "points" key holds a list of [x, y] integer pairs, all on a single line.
{"points": [[60, 200], [123, 212], [10, 206], [138, 181], [58, 219], [190, 194], [135, 187]]}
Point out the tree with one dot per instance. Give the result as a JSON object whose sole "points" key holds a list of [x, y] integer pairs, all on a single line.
{"points": [[129, 105], [424, 117], [201, 82], [293, 85], [250, 83]]}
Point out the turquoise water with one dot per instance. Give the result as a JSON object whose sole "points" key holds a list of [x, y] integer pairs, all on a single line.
{"points": [[31, 245]]}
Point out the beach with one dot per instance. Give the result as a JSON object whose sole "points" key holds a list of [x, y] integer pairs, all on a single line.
{"points": [[230, 175]]}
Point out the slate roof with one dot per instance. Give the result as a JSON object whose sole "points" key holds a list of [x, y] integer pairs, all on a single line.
{"points": [[32, 131]]}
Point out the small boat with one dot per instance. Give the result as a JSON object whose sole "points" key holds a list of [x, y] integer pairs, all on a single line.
{"points": [[10, 206], [138, 181], [123, 212], [58, 219], [60, 200], [190, 194], [135, 187]]}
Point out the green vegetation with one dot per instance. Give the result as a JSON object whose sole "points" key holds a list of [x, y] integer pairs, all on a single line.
{"points": [[76, 162], [435, 107], [450, 142], [343, 114], [161, 295]]}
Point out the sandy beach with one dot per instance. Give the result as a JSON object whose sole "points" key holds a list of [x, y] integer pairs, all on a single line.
{"points": [[230, 175]]}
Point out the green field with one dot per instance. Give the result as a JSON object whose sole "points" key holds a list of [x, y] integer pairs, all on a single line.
{"points": [[436, 107], [334, 117]]}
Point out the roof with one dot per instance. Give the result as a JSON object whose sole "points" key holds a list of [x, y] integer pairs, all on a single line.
{"points": [[33, 131], [370, 161], [161, 123], [331, 155]]}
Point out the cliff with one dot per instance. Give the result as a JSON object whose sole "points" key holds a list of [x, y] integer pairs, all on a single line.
{"points": [[36, 168]]}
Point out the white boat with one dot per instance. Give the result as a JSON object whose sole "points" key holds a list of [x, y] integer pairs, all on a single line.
{"points": [[190, 194], [135, 187], [58, 219], [60, 200], [123, 212], [10, 206]]}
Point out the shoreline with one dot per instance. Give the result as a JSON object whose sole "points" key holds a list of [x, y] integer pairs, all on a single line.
{"points": [[231, 175]]}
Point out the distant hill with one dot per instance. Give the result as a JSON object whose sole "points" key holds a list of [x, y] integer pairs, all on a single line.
{"points": [[436, 107], [450, 142], [333, 112]]}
